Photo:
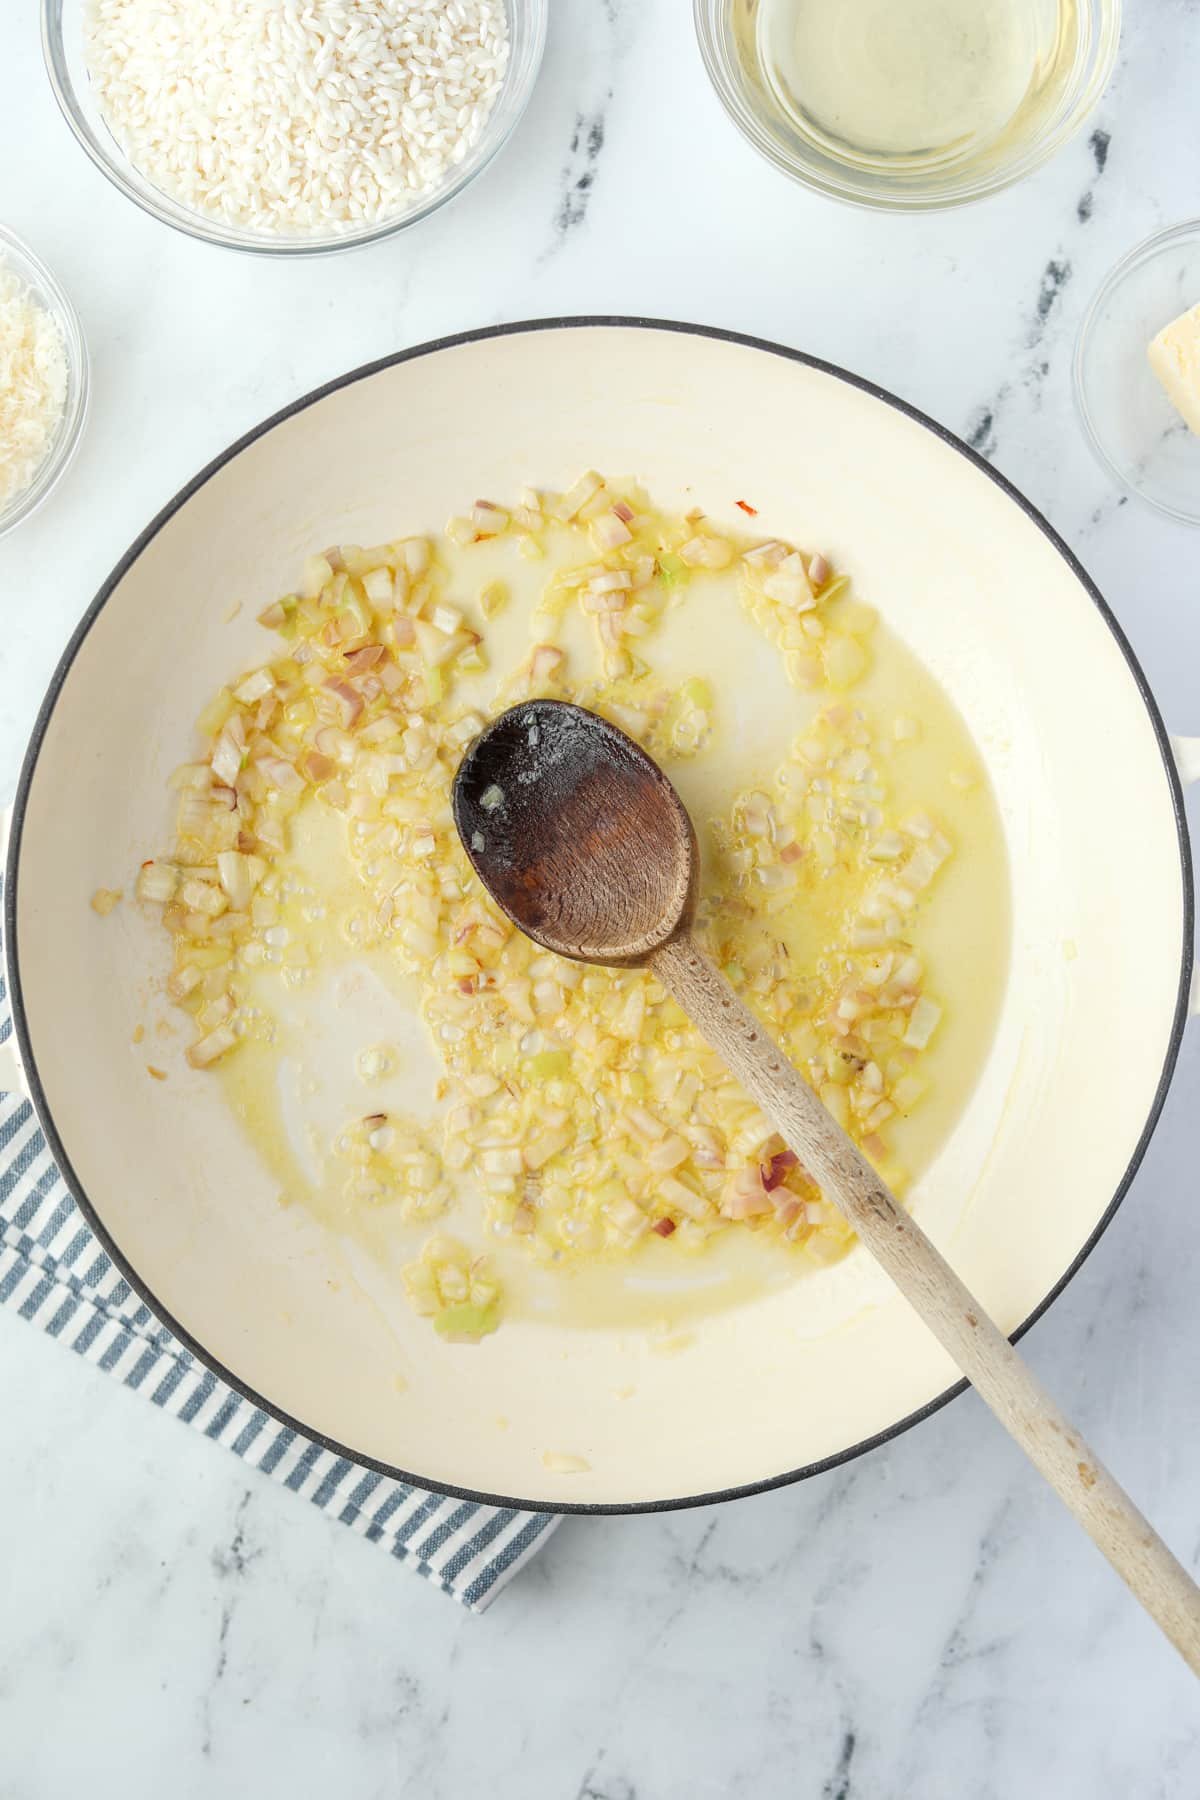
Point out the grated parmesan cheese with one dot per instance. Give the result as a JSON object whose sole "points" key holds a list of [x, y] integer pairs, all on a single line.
{"points": [[281, 116], [33, 385]]}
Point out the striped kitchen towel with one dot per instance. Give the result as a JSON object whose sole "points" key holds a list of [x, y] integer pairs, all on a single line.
{"points": [[54, 1273]]}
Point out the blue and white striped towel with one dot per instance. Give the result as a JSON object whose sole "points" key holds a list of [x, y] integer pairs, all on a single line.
{"points": [[54, 1273]]}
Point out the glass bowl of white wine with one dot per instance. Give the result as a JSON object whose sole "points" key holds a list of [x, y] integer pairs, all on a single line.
{"points": [[908, 105]]}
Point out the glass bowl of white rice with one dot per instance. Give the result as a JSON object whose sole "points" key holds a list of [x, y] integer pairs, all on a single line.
{"points": [[287, 128], [43, 381]]}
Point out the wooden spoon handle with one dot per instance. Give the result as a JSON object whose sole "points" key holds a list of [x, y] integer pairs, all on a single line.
{"points": [[957, 1320]]}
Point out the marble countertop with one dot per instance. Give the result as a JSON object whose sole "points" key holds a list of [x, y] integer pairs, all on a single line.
{"points": [[925, 1623]]}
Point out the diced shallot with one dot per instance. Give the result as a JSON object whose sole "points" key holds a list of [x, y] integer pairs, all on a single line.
{"points": [[610, 531], [489, 520], [767, 555], [745, 1197], [416, 557], [238, 873], [345, 700], [359, 661], [281, 773], [182, 982], [317, 571], [626, 1215], [578, 496], [887, 847], [668, 1153], [775, 1172], [227, 757], [606, 601], [379, 585], [254, 687], [216, 1044], [157, 881], [610, 582], [545, 663], [923, 1022], [705, 552], [197, 776], [684, 1199], [317, 768], [202, 897]]}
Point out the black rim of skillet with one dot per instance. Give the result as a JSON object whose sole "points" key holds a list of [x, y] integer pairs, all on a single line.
{"points": [[12, 881]]}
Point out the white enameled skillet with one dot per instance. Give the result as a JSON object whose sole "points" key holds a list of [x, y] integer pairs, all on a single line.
{"points": [[1089, 788]]}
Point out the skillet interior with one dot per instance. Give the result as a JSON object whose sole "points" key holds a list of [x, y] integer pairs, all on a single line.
{"points": [[984, 595]]}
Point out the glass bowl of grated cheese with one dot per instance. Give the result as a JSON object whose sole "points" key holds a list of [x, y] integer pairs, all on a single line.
{"points": [[287, 130], [44, 391]]}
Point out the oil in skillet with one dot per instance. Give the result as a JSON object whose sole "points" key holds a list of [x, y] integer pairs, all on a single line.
{"points": [[295, 1092]]}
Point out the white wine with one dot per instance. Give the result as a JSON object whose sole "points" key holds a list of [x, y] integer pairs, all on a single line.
{"points": [[908, 84]]}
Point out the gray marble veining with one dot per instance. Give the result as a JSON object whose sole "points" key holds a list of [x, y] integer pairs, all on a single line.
{"points": [[923, 1625]]}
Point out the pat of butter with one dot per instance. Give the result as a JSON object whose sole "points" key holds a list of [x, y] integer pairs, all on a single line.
{"points": [[1175, 358]]}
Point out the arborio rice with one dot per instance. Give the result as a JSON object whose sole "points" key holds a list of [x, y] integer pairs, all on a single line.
{"points": [[297, 116]]}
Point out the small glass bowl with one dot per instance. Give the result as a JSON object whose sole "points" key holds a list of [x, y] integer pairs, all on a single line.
{"points": [[1128, 420], [66, 64], [34, 274], [766, 125]]}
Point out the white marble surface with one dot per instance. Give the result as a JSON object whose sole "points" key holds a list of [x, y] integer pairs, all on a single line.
{"points": [[923, 1624]]}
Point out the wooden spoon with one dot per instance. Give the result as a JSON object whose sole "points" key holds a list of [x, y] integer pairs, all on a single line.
{"points": [[583, 841]]}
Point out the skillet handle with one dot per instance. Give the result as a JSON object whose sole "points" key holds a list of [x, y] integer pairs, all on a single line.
{"points": [[11, 1079], [1187, 760]]}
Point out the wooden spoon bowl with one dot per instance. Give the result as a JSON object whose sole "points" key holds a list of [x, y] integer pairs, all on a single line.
{"points": [[577, 834]]}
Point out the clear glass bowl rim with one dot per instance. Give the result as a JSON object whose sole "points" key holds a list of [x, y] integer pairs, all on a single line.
{"points": [[859, 190], [530, 16], [1150, 246], [70, 429]]}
